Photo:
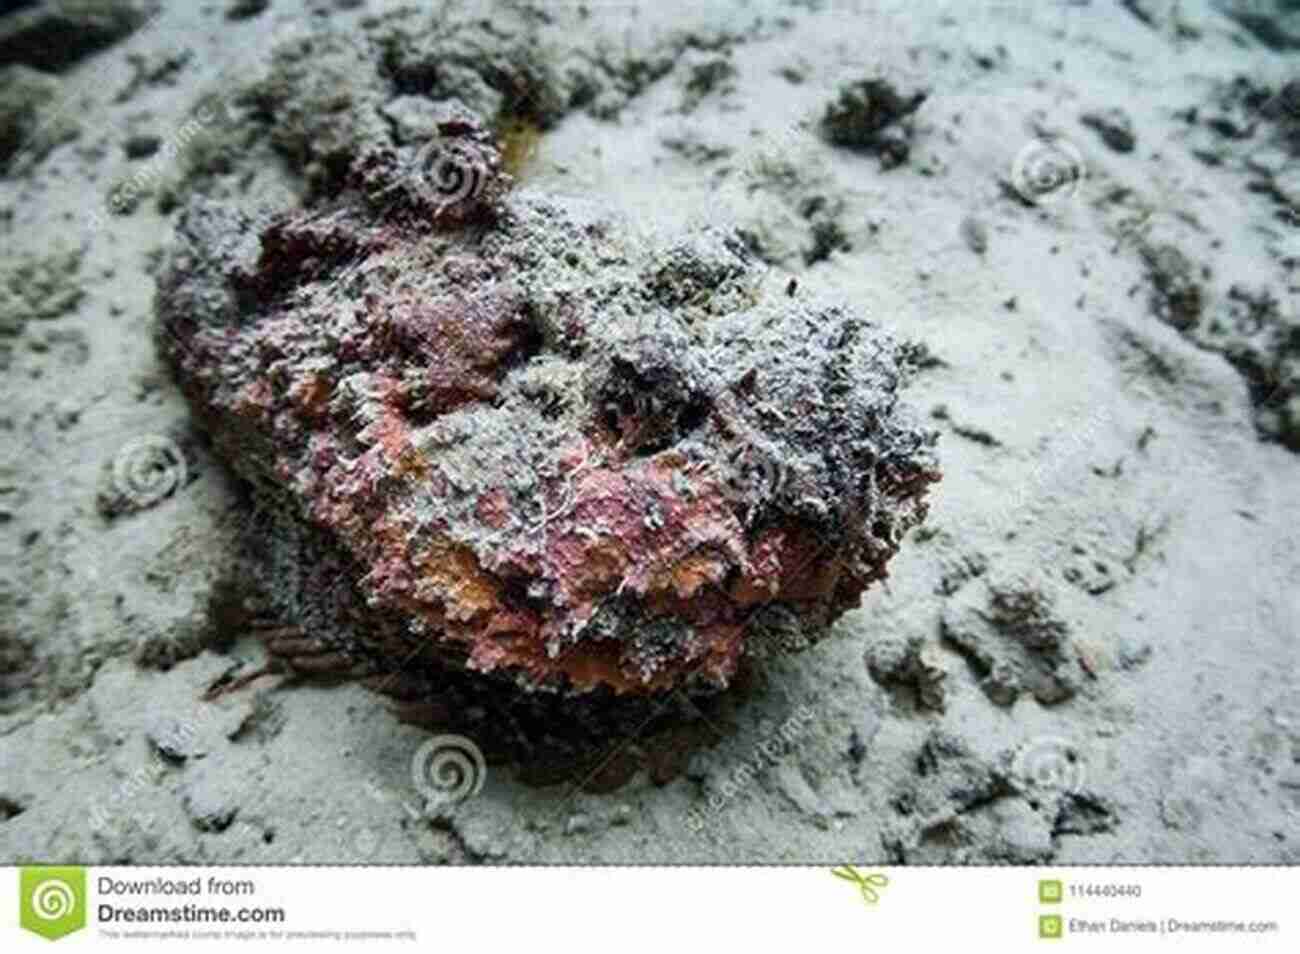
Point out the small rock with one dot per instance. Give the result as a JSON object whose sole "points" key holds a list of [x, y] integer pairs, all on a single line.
{"points": [[66, 414], [1085, 813], [141, 145], [869, 116], [12, 805], [244, 9], [212, 799], [1114, 127], [949, 778], [895, 661], [54, 34], [1014, 640], [622, 815], [975, 235], [174, 739], [1278, 29], [1133, 654], [1178, 298], [706, 74], [577, 824]]}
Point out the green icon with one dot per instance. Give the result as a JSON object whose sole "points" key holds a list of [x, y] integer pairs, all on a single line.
{"points": [[1050, 892], [1050, 927], [52, 901], [867, 884]]}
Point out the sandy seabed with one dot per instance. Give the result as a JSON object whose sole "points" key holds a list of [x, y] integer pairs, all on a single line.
{"points": [[1092, 222]]}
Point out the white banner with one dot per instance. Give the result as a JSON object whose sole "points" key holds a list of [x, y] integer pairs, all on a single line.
{"points": [[649, 909]]}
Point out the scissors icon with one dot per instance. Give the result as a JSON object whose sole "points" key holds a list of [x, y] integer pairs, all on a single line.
{"points": [[867, 884]]}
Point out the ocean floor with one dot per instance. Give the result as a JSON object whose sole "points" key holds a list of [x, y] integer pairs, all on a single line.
{"points": [[1088, 213]]}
